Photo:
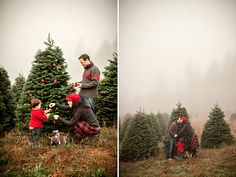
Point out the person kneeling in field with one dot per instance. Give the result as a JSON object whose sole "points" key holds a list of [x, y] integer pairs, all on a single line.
{"points": [[83, 121]]}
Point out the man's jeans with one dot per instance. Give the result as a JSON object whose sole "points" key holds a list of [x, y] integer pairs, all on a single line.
{"points": [[171, 141], [87, 101]]}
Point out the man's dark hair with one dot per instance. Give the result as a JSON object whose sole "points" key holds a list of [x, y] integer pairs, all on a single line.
{"points": [[85, 57]]}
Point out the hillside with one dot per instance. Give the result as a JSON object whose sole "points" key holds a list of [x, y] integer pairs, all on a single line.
{"points": [[92, 157], [215, 162]]}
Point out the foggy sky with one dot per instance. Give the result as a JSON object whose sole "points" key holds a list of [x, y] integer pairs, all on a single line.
{"points": [[177, 50], [76, 26]]}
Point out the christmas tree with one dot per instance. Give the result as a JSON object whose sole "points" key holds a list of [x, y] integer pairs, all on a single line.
{"points": [[106, 102], [163, 119], [7, 105], [178, 112], [17, 88], [216, 131], [47, 81], [140, 142], [155, 125], [125, 126]]}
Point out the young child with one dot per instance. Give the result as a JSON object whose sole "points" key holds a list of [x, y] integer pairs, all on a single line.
{"points": [[180, 148], [36, 121]]}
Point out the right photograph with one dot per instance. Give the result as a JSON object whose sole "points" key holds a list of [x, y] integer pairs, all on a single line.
{"points": [[177, 108]]}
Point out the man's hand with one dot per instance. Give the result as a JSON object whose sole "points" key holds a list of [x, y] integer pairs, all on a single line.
{"points": [[175, 135], [56, 117]]}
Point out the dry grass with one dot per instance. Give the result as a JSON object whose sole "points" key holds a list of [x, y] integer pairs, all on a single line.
{"points": [[210, 162], [92, 156]]}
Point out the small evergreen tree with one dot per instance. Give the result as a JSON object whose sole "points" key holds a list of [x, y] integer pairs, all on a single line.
{"points": [[17, 87], [178, 112], [155, 125], [47, 81], [216, 131], [7, 105], [139, 143], [163, 120], [107, 94], [125, 126]]}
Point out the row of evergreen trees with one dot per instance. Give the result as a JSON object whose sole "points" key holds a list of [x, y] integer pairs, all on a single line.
{"points": [[48, 81], [7, 105], [140, 133]]}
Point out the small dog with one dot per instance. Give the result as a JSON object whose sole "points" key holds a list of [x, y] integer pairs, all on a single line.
{"points": [[58, 137]]}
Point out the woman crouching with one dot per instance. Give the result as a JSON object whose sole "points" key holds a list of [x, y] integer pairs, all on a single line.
{"points": [[83, 121]]}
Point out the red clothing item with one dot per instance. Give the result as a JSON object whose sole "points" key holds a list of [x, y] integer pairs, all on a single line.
{"points": [[180, 147], [83, 129], [37, 117]]}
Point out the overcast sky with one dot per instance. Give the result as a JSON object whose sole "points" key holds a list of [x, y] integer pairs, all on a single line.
{"points": [[76, 26], [177, 50]]}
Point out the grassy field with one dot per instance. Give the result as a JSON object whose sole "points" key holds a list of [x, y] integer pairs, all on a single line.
{"points": [[209, 163], [92, 157]]}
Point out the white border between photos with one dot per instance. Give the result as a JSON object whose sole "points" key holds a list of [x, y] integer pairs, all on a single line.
{"points": [[118, 115]]}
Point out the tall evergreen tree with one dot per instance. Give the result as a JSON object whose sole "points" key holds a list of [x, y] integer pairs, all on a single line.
{"points": [[125, 126], [17, 87], [7, 105], [164, 121], [47, 81], [155, 125], [139, 143], [107, 94], [216, 131]]}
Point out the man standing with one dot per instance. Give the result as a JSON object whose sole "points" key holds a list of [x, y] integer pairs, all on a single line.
{"points": [[172, 134], [89, 84]]}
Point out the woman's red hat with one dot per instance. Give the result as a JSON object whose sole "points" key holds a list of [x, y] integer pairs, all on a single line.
{"points": [[73, 97]]}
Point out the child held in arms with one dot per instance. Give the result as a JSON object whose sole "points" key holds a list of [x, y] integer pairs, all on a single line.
{"points": [[36, 121]]}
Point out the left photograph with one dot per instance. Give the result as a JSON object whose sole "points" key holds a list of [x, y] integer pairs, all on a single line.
{"points": [[58, 89]]}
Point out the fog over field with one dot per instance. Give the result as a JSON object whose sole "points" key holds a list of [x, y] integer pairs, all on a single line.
{"points": [[177, 50]]}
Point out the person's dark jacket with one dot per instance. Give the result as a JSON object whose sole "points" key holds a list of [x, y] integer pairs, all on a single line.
{"points": [[173, 129], [81, 113]]}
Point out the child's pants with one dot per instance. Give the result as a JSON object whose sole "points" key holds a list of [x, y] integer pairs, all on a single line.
{"points": [[34, 135]]}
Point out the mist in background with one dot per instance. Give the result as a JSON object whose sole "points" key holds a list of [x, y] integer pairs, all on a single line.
{"points": [[76, 26], [177, 50]]}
